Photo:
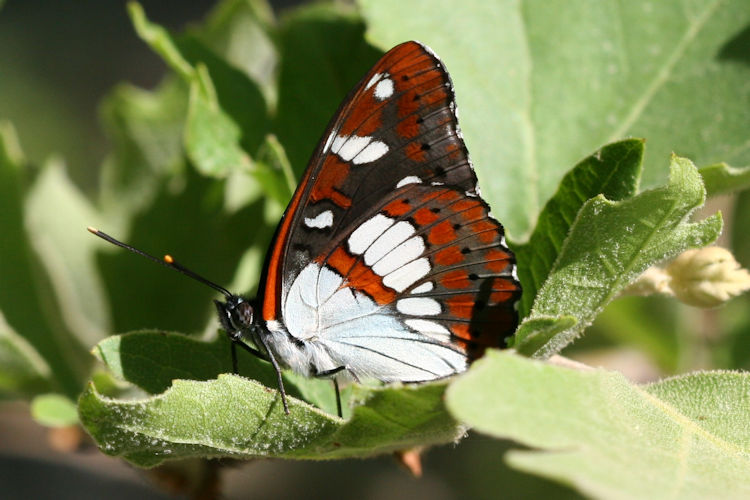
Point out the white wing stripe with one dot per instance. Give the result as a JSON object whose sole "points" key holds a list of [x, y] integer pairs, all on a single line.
{"points": [[399, 256], [362, 237], [389, 240], [405, 276]]}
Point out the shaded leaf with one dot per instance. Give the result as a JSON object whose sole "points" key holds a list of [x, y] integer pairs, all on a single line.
{"points": [[722, 178], [211, 137], [237, 96], [23, 372], [323, 56], [146, 129], [241, 32], [26, 294], [56, 215], [160, 41], [186, 220]]}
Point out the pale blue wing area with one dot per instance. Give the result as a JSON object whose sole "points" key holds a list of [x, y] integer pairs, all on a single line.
{"points": [[339, 326]]}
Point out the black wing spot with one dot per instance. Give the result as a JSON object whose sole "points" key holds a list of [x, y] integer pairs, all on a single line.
{"points": [[405, 77], [465, 250], [420, 120], [417, 97], [435, 210], [425, 146], [439, 171], [473, 276], [456, 227]]}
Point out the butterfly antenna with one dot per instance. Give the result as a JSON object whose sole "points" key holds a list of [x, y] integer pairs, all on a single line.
{"points": [[167, 261]]}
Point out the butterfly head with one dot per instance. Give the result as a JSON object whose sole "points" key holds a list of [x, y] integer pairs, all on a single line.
{"points": [[236, 315]]}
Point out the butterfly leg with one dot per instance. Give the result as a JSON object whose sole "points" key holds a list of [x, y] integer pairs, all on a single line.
{"points": [[338, 397], [327, 373], [238, 342], [276, 367]]}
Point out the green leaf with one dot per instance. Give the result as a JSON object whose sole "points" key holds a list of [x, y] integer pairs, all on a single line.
{"points": [[236, 95], [23, 372], [26, 293], [211, 137], [613, 171], [537, 332], [689, 434], [236, 417], [722, 178], [241, 32], [323, 56], [54, 410], [152, 360], [274, 154], [611, 243], [160, 41], [146, 130], [541, 84], [56, 217]]}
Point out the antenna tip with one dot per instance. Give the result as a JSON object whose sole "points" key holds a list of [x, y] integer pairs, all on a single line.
{"points": [[92, 230], [169, 259]]}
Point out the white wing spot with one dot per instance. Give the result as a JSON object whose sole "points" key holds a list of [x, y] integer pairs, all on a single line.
{"points": [[422, 306], [399, 256], [387, 241], [358, 149], [320, 221], [429, 328], [405, 276], [362, 237], [384, 89], [410, 179], [424, 287], [372, 152]]}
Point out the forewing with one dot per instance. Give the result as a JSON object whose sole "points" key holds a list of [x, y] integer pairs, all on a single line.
{"points": [[397, 125]]}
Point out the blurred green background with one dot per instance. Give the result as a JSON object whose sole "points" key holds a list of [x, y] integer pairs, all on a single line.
{"points": [[60, 60]]}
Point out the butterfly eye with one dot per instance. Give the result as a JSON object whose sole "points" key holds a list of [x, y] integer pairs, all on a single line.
{"points": [[243, 315]]}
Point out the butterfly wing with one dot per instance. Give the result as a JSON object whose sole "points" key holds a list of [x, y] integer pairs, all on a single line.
{"points": [[387, 261]]}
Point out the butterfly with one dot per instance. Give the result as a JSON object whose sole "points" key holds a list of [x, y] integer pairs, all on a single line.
{"points": [[387, 264]]}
